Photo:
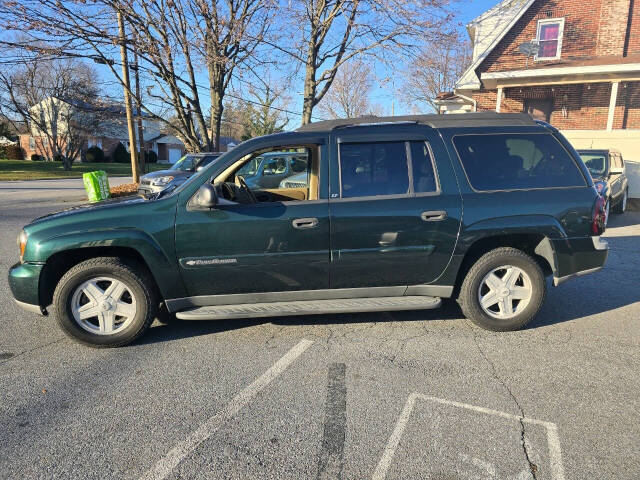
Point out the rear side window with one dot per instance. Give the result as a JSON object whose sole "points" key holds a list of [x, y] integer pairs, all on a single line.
{"points": [[370, 169], [516, 161]]}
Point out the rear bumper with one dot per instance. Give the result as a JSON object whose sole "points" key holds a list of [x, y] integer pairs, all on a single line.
{"points": [[24, 281], [578, 256]]}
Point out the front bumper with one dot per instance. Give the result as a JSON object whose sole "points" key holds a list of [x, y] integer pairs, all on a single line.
{"points": [[24, 282], [578, 256]]}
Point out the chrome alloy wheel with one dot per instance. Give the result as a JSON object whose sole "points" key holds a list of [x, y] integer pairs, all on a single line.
{"points": [[505, 292], [103, 305]]}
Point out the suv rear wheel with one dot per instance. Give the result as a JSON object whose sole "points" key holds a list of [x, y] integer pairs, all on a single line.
{"points": [[621, 207], [105, 302], [503, 290]]}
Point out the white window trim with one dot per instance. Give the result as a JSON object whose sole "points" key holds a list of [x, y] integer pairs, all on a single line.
{"points": [[547, 21]]}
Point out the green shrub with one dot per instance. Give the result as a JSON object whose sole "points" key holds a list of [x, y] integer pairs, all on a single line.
{"points": [[3, 151], [120, 154], [94, 155], [58, 158], [15, 152], [36, 158], [150, 156]]}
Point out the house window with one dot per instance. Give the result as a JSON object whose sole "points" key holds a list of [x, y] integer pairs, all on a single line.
{"points": [[32, 143], [550, 38]]}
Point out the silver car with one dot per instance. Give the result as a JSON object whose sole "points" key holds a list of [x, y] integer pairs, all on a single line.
{"points": [[179, 172]]}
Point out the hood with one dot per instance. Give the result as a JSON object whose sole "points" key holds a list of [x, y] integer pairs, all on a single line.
{"points": [[88, 207], [164, 173]]}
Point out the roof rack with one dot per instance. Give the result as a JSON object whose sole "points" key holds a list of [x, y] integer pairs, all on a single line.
{"points": [[435, 121]]}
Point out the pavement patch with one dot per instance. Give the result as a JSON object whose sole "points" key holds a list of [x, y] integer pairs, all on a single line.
{"points": [[331, 461]]}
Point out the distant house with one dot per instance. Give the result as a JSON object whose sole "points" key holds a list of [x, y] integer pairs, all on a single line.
{"points": [[104, 126], [584, 78]]}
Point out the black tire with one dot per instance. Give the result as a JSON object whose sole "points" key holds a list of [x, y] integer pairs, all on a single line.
{"points": [[621, 206], [136, 279], [470, 303]]}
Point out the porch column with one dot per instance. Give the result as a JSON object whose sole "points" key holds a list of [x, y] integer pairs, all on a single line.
{"points": [[612, 105], [498, 99]]}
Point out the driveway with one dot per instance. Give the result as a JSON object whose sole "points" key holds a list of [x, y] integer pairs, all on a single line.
{"points": [[49, 191], [384, 396]]}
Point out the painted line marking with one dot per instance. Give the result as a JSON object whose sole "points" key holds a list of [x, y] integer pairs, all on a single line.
{"points": [[178, 453], [331, 463], [553, 439]]}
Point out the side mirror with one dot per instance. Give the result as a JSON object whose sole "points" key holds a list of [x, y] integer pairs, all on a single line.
{"points": [[206, 197]]}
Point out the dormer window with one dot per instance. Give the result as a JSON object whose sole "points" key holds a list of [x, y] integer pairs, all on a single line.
{"points": [[550, 38]]}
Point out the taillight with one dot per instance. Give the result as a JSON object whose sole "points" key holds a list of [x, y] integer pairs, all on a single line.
{"points": [[599, 216]]}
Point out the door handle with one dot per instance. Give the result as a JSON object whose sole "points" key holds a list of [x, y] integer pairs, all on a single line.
{"points": [[433, 215], [303, 223]]}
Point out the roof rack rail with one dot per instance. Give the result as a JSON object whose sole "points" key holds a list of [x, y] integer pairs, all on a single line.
{"points": [[433, 120]]}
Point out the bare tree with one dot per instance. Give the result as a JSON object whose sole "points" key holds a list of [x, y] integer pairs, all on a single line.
{"points": [[329, 33], [349, 94], [436, 69], [56, 100], [173, 40]]}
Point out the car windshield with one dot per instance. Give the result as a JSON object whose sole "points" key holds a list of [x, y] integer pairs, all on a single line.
{"points": [[251, 167], [595, 162], [185, 164]]}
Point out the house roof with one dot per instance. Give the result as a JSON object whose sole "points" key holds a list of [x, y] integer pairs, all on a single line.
{"points": [[486, 31]]}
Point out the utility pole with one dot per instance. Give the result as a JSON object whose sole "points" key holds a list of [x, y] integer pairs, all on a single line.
{"points": [[141, 156], [133, 146]]}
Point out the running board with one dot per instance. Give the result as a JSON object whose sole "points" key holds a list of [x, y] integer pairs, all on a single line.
{"points": [[310, 307]]}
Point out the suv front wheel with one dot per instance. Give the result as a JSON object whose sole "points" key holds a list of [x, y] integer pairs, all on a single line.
{"points": [[503, 290], [105, 302]]}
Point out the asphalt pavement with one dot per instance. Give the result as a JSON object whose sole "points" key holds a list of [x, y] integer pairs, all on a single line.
{"points": [[397, 395]]}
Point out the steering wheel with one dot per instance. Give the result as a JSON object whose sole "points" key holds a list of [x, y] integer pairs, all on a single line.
{"points": [[245, 187]]}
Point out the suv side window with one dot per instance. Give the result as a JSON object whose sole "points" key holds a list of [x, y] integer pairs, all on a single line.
{"points": [[371, 169], [616, 160], [516, 161], [422, 167]]}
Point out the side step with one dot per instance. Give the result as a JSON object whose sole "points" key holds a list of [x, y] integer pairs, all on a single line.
{"points": [[310, 307]]}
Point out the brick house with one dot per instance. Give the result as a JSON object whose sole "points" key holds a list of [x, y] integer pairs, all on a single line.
{"points": [[107, 132], [584, 79]]}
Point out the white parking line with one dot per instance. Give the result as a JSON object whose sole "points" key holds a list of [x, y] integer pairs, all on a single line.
{"points": [[178, 453], [555, 453]]}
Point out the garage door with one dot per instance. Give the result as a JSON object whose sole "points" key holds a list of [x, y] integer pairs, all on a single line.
{"points": [[174, 155]]}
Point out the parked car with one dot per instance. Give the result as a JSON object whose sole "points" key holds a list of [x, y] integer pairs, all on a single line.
{"points": [[379, 226], [269, 169], [179, 172], [609, 176], [299, 180]]}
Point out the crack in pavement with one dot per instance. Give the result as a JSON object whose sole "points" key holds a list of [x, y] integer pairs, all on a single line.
{"points": [[30, 350], [533, 468]]}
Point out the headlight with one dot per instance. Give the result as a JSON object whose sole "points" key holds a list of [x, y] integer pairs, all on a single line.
{"points": [[162, 181], [22, 243], [600, 186]]}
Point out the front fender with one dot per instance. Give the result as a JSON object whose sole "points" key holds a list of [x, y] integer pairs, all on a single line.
{"points": [[160, 264]]}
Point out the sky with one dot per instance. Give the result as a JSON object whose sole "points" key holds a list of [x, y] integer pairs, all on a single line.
{"points": [[466, 10]]}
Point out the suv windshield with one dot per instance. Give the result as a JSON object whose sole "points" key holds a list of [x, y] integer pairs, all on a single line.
{"points": [[595, 162], [185, 164]]}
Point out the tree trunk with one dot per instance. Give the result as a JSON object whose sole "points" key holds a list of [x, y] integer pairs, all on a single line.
{"points": [[216, 89], [309, 100]]}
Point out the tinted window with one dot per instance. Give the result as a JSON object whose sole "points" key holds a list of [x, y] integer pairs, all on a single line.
{"points": [[595, 162], [516, 161], [424, 179], [368, 169]]}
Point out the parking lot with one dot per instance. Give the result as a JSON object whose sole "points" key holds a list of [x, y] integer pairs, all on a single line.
{"points": [[397, 395]]}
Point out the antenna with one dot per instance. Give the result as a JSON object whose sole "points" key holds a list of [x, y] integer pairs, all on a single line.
{"points": [[529, 49]]}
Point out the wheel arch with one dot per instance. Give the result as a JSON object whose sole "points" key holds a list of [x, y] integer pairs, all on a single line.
{"points": [[535, 244]]}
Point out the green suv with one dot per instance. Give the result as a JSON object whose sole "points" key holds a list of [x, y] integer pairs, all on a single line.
{"points": [[396, 213]]}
